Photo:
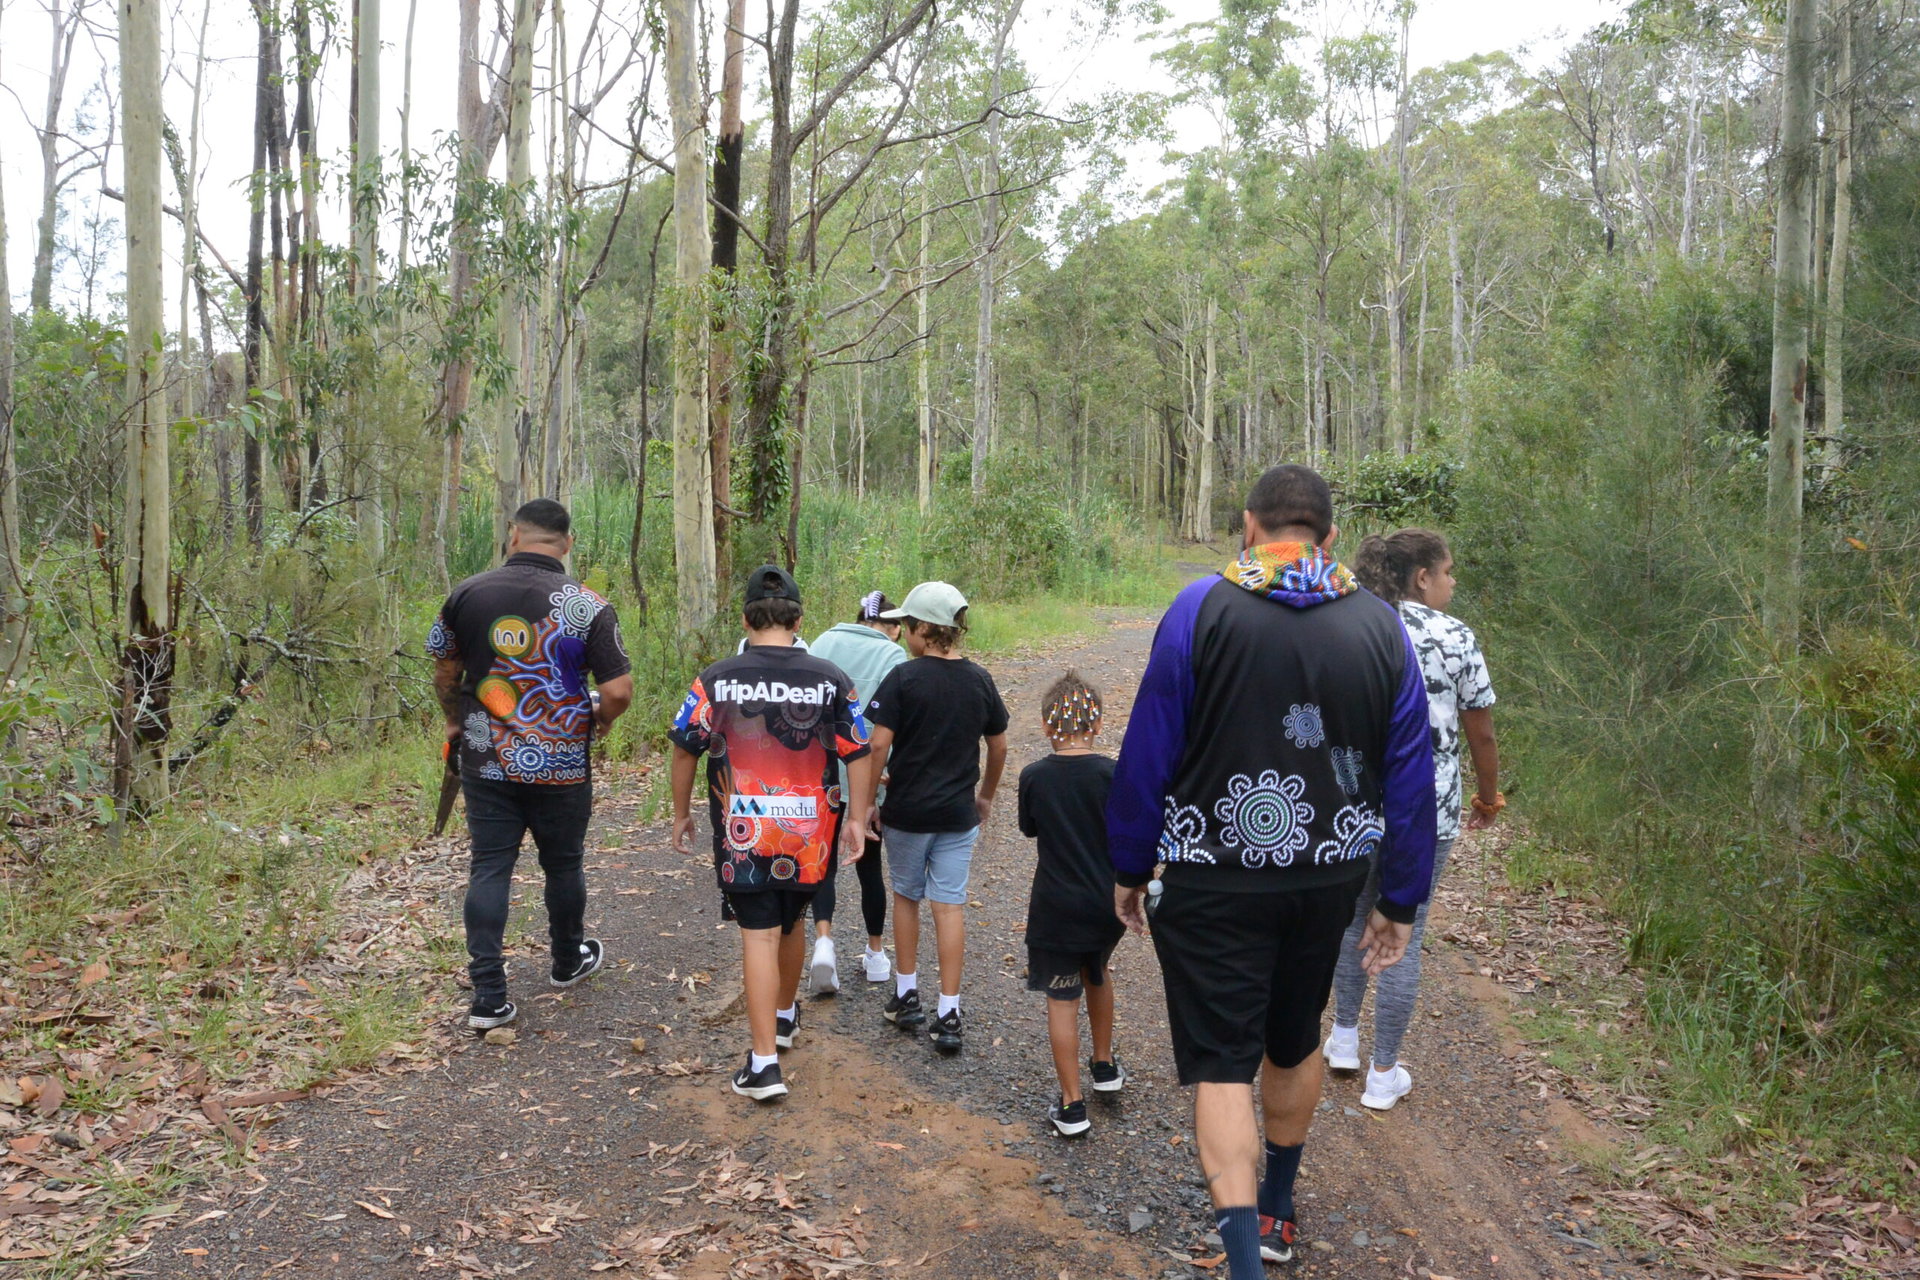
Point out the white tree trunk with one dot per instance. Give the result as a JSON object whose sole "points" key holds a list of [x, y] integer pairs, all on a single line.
{"points": [[983, 423], [1833, 451], [14, 633], [693, 249], [140, 772], [922, 368], [511, 423], [1200, 523]]}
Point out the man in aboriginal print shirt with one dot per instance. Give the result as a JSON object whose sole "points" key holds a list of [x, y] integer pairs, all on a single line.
{"points": [[512, 650], [774, 723]]}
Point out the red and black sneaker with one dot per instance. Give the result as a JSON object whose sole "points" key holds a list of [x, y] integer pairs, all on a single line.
{"points": [[1276, 1238]]}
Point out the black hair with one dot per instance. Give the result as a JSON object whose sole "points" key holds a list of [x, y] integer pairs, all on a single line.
{"points": [[545, 515], [765, 615], [1385, 566], [1071, 707], [1291, 494]]}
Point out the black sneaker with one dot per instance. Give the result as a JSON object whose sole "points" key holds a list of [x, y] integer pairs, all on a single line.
{"points": [[904, 1011], [592, 956], [1108, 1077], [1070, 1118], [946, 1032], [485, 1014], [762, 1085], [1276, 1239], [784, 1028]]}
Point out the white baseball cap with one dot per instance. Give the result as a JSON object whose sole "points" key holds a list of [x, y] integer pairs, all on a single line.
{"points": [[937, 602]]}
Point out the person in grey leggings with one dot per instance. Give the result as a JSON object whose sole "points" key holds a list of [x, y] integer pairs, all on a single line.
{"points": [[1413, 570], [1394, 991]]}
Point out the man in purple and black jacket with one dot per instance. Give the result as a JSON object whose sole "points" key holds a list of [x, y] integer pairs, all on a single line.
{"points": [[1278, 744]]}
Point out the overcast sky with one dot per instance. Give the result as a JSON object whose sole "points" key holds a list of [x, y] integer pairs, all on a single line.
{"points": [[1052, 42]]}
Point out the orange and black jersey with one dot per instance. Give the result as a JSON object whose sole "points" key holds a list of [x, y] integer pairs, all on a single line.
{"points": [[774, 722]]}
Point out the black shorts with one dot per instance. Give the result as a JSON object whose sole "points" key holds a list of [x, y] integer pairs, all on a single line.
{"points": [[768, 908], [1059, 973], [1247, 974]]}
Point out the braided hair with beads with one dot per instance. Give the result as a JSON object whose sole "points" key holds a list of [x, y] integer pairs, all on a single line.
{"points": [[1071, 708]]}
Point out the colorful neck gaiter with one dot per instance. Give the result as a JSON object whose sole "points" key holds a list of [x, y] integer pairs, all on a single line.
{"points": [[1294, 573]]}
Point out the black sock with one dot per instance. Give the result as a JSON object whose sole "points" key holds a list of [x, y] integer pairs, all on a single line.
{"points": [[1276, 1187], [1240, 1235]]}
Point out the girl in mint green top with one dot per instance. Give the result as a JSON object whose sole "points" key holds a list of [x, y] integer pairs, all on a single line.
{"points": [[866, 649]]}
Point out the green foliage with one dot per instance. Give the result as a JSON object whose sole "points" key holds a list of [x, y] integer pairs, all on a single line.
{"points": [[1014, 533], [1391, 489]]}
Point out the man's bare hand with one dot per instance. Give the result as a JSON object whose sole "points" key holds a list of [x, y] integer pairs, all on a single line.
{"points": [[683, 834], [1383, 943], [853, 839], [983, 808], [1131, 906]]}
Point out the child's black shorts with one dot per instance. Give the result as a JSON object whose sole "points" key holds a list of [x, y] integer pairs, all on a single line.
{"points": [[768, 908], [1247, 974], [1058, 973]]}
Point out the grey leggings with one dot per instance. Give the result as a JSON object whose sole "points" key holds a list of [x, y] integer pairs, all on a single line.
{"points": [[1398, 987]]}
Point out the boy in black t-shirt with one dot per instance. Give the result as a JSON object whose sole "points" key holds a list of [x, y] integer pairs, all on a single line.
{"points": [[929, 716], [1071, 925], [774, 723]]}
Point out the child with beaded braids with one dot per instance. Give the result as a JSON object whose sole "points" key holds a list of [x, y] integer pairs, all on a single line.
{"points": [[1071, 925]]}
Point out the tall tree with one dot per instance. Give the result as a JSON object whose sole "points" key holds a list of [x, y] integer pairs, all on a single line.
{"points": [[362, 477], [140, 764], [1799, 157], [1833, 368], [727, 160], [253, 464], [989, 241], [693, 550], [13, 574], [57, 172], [516, 329]]}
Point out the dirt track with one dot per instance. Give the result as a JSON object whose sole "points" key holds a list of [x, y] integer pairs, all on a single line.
{"points": [[566, 1152]]}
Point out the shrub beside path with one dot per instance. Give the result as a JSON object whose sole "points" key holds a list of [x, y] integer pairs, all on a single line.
{"points": [[570, 1152]]}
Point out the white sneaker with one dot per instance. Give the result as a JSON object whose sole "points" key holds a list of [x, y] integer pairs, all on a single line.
{"points": [[826, 968], [1343, 1048], [1384, 1088], [878, 967]]}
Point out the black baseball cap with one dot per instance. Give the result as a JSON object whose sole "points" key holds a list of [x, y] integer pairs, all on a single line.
{"points": [[771, 582]]}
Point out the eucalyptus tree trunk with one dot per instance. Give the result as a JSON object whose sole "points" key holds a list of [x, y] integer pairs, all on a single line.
{"points": [[363, 481], [253, 463], [512, 424], [1787, 401], [15, 631], [1776, 751], [1833, 368], [727, 160], [989, 241], [1200, 519], [141, 728], [923, 355], [456, 378], [693, 550], [66, 24], [1400, 428], [406, 142]]}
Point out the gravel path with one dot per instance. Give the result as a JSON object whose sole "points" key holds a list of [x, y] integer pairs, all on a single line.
{"points": [[567, 1152]]}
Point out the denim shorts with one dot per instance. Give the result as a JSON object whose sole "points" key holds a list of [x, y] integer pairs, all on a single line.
{"points": [[931, 864]]}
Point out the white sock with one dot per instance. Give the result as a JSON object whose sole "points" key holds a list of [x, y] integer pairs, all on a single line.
{"points": [[1385, 1073], [872, 952], [789, 1013], [758, 1063], [948, 1004], [905, 982]]}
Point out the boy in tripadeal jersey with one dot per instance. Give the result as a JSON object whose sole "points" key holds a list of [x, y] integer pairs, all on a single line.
{"points": [[774, 723]]}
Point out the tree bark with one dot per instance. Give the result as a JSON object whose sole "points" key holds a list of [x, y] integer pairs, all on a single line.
{"points": [[1776, 751], [1833, 367], [923, 355], [989, 241], [66, 25], [513, 423], [456, 379], [15, 622], [1200, 521], [145, 717], [362, 479], [1400, 429], [727, 160], [693, 252], [253, 464]]}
